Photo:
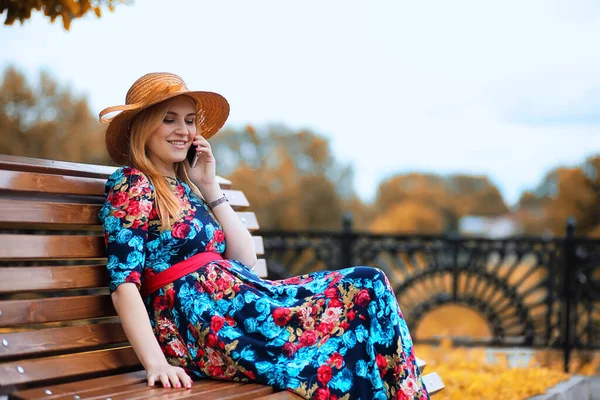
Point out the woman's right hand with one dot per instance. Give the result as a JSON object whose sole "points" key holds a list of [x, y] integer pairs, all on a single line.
{"points": [[169, 376]]}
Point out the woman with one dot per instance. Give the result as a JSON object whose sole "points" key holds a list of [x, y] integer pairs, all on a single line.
{"points": [[191, 305]]}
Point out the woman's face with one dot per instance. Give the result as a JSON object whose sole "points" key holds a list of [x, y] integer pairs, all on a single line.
{"points": [[170, 142]]}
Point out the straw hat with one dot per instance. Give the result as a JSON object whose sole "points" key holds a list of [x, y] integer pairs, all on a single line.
{"points": [[151, 89]]}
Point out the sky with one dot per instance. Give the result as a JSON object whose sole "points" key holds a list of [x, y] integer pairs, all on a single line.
{"points": [[507, 89]]}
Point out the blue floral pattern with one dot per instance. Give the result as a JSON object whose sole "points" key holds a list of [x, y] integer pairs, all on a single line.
{"points": [[327, 335]]}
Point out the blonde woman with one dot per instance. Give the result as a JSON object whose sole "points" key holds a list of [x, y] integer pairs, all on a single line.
{"points": [[188, 300]]}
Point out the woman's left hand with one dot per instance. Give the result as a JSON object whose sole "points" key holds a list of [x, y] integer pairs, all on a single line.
{"points": [[204, 174]]}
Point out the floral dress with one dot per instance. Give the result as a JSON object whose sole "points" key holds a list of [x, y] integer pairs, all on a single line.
{"points": [[327, 335]]}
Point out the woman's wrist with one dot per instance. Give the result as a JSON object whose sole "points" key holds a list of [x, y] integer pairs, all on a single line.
{"points": [[211, 192]]}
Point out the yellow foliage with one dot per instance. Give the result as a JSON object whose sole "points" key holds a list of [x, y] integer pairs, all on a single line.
{"points": [[409, 216], [467, 376], [47, 121], [479, 373], [68, 10]]}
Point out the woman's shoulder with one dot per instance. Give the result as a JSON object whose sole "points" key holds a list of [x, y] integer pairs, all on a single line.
{"points": [[133, 177]]}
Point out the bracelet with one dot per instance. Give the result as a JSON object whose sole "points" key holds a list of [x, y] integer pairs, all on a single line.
{"points": [[218, 201]]}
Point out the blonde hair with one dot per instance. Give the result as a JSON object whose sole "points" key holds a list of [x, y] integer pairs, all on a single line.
{"points": [[168, 204]]}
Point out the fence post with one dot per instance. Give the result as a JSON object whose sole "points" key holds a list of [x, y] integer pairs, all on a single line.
{"points": [[567, 289], [346, 241]]}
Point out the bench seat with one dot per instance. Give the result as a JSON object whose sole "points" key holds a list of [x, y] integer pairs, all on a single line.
{"points": [[133, 385], [60, 337]]}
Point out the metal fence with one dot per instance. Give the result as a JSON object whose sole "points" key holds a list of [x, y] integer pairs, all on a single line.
{"points": [[533, 292]]}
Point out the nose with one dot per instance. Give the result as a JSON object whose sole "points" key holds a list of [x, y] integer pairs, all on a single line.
{"points": [[181, 129]]}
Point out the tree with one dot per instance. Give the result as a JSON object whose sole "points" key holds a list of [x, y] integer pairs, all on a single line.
{"points": [[564, 192], [428, 203], [410, 216], [47, 121], [291, 178], [68, 10]]}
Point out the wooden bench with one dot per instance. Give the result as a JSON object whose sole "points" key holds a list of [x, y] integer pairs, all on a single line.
{"points": [[59, 333]]}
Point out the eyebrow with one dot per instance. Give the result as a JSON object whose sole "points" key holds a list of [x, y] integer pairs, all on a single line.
{"points": [[174, 113]]}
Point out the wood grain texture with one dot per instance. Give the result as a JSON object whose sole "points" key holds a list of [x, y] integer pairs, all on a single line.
{"points": [[51, 212], [33, 279], [80, 387], [63, 247], [46, 183], [37, 165], [29, 164], [284, 395], [67, 339], [31, 247], [23, 312], [134, 386], [31, 212], [40, 369]]}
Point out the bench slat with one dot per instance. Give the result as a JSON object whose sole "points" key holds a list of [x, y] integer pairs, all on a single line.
{"points": [[31, 182], [134, 390], [260, 268], [36, 212], [421, 364], [33, 279], [206, 390], [31, 247], [80, 387], [130, 390], [35, 247], [259, 245], [41, 369], [223, 390], [133, 386], [246, 391], [158, 392], [46, 183], [285, 395], [18, 163], [433, 382], [25, 279], [249, 220], [29, 164], [60, 339], [23, 211], [16, 312]]}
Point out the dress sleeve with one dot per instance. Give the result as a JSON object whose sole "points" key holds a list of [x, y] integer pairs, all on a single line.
{"points": [[124, 218]]}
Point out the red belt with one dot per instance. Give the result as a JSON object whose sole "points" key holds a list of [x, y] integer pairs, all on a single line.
{"points": [[176, 271]]}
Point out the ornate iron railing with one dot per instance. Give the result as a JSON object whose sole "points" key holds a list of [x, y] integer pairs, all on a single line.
{"points": [[532, 292]]}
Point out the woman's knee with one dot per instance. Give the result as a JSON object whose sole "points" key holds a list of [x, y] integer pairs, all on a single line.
{"points": [[371, 273]]}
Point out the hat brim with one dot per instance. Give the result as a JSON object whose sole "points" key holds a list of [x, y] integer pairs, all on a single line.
{"points": [[214, 107]]}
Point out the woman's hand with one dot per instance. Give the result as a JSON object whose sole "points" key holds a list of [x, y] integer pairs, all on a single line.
{"points": [[204, 173], [169, 376]]}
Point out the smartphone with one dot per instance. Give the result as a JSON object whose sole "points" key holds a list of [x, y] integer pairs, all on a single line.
{"points": [[192, 156]]}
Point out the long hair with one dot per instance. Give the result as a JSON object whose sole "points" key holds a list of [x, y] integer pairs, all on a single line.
{"points": [[168, 204]]}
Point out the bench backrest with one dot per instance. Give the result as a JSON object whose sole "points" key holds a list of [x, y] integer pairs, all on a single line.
{"points": [[56, 315]]}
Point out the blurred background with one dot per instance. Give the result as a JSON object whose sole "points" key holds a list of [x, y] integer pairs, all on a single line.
{"points": [[448, 143]]}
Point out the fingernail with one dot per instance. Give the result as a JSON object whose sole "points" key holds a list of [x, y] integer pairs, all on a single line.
{"points": [[167, 385], [189, 385], [177, 385]]}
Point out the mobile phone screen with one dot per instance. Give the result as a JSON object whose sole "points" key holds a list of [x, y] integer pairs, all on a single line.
{"points": [[192, 156]]}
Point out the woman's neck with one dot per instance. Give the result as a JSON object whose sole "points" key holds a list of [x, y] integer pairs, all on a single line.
{"points": [[165, 169]]}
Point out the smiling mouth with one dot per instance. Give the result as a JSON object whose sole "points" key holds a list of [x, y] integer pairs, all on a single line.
{"points": [[177, 143]]}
